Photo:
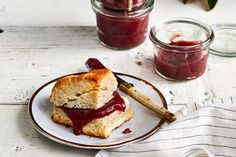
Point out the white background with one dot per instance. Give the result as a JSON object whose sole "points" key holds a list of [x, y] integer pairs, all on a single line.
{"points": [[79, 12]]}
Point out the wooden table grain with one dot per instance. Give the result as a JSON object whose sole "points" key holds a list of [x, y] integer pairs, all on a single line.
{"points": [[31, 56]]}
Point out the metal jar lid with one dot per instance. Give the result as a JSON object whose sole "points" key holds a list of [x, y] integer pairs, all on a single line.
{"points": [[225, 40]]}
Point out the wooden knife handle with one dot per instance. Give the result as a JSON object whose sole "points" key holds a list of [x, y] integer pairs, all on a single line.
{"points": [[93, 63], [146, 101]]}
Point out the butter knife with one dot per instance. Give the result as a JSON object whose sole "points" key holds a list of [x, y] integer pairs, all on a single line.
{"points": [[129, 89]]}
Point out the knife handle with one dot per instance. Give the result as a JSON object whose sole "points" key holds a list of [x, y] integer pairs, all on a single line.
{"points": [[93, 63], [146, 101]]}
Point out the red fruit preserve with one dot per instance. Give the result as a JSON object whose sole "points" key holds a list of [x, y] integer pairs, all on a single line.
{"points": [[81, 117], [181, 48], [127, 131], [122, 4], [181, 66], [122, 29], [122, 33]]}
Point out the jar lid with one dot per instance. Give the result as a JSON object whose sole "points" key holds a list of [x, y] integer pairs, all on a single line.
{"points": [[224, 43]]}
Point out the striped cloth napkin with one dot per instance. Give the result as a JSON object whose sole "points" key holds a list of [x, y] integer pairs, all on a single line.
{"points": [[209, 125]]}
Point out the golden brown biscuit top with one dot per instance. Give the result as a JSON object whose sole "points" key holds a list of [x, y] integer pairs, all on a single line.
{"points": [[94, 75]]}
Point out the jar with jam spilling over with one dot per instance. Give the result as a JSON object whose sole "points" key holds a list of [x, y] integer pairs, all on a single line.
{"points": [[122, 4], [181, 48], [122, 24]]}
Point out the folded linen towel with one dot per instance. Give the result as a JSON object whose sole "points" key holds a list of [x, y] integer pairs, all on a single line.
{"points": [[210, 125]]}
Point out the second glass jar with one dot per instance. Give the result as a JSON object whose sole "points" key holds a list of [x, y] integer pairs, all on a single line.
{"points": [[181, 48], [122, 28]]}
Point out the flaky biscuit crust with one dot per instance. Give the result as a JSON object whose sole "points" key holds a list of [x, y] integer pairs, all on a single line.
{"points": [[101, 127], [74, 91]]}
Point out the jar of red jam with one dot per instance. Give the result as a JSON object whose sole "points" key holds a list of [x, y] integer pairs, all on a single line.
{"points": [[122, 28], [181, 48]]}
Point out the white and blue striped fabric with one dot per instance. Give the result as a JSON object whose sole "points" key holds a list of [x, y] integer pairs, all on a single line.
{"points": [[208, 125]]}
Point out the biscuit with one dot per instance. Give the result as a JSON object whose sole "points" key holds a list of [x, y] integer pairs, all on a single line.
{"points": [[88, 91], [101, 127]]}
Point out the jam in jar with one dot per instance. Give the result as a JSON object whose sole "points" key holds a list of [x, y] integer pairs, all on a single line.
{"points": [[122, 28], [122, 4], [181, 48]]}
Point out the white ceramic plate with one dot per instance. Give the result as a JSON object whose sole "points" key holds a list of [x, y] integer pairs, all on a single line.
{"points": [[144, 124]]}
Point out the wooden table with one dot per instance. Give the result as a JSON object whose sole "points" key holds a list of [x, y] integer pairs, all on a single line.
{"points": [[31, 56]]}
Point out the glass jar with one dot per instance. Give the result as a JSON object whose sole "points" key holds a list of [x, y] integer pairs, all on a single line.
{"points": [[181, 48], [225, 39], [122, 29]]}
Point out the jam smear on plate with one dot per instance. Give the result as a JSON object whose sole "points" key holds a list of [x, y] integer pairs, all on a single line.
{"points": [[127, 131]]}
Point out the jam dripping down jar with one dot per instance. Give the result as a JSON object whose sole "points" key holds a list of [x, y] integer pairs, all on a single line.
{"points": [[181, 48], [122, 25]]}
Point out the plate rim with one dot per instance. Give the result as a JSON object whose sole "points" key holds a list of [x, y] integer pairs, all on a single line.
{"points": [[101, 146]]}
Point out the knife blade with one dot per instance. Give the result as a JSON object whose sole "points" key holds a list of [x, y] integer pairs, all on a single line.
{"points": [[129, 89]]}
